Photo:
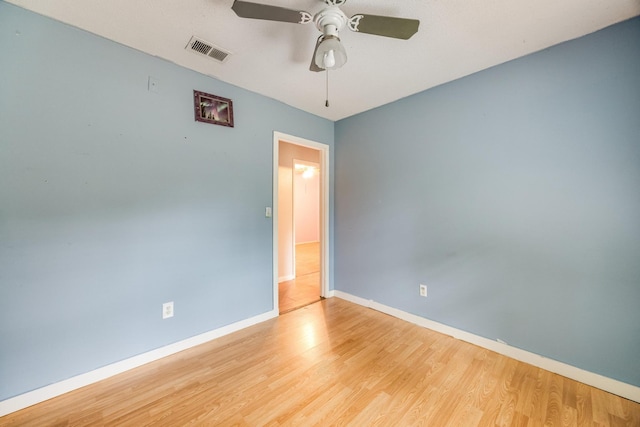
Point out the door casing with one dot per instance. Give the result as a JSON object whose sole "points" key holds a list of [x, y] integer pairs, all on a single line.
{"points": [[324, 209]]}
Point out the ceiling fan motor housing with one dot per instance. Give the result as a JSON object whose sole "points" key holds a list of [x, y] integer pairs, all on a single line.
{"points": [[330, 20], [335, 2]]}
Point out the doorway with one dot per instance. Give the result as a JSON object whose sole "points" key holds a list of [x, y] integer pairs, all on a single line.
{"points": [[300, 222]]}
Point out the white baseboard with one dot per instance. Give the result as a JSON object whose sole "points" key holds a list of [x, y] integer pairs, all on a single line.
{"points": [[286, 278], [22, 401], [610, 385]]}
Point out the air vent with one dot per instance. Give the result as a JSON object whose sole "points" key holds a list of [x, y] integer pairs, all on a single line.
{"points": [[205, 48]]}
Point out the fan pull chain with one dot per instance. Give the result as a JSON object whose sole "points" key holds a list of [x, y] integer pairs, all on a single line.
{"points": [[326, 103]]}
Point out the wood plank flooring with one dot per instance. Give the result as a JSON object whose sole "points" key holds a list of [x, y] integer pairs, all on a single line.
{"points": [[334, 363], [305, 288]]}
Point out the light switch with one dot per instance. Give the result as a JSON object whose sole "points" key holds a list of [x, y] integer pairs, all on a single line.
{"points": [[267, 212]]}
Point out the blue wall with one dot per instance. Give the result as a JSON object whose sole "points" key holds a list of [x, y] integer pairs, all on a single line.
{"points": [[514, 194], [114, 200]]}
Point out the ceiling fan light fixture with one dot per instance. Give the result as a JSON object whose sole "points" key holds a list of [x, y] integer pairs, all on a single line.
{"points": [[331, 54]]}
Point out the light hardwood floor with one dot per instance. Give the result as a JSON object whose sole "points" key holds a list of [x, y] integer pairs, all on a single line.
{"points": [[305, 288], [334, 363]]}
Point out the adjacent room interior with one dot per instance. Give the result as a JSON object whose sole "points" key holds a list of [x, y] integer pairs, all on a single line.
{"points": [[299, 235]]}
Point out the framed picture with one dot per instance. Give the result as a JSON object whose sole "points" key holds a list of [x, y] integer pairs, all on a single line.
{"points": [[213, 109]]}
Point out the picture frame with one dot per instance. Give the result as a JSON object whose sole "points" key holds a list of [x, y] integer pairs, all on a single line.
{"points": [[212, 109]]}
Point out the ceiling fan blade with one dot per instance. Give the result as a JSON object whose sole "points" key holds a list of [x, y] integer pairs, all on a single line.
{"points": [[314, 67], [387, 26], [245, 9]]}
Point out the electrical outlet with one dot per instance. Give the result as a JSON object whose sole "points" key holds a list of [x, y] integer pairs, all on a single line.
{"points": [[423, 290], [167, 310]]}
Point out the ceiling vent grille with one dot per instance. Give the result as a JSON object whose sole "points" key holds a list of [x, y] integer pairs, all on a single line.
{"points": [[205, 48]]}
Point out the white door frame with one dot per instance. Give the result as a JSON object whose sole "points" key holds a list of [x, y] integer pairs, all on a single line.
{"points": [[324, 210]]}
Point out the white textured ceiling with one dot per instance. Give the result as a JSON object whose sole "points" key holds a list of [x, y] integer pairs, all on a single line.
{"points": [[456, 38]]}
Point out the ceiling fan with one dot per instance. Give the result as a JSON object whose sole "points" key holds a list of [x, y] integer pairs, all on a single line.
{"points": [[329, 53]]}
